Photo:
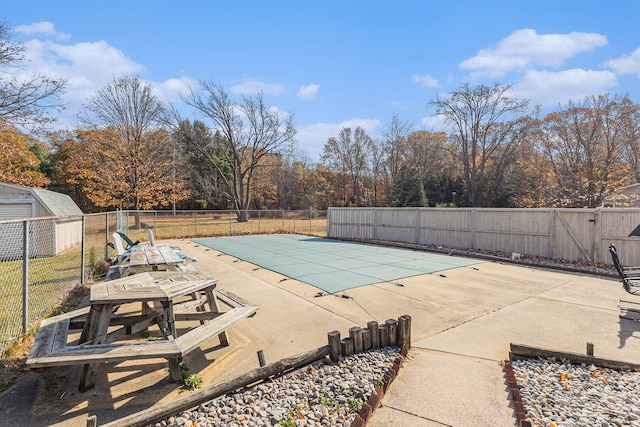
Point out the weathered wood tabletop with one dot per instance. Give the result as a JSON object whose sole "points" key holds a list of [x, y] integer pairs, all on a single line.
{"points": [[153, 255]]}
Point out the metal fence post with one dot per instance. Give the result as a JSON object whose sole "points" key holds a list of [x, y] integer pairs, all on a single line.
{"points": [[310, 222], [155, 220], [106, 237], [230, 224], [25, 276], [294, 221], [196, 223], [258, 221], [84, 245]]}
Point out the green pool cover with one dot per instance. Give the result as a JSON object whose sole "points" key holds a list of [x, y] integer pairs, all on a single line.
{"points": [[332, 265]]}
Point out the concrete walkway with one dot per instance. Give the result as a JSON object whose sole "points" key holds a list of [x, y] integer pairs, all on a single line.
{"points": [[463, 321]]}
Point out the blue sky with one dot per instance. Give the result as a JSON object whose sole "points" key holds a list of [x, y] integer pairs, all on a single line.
{"points": [[336, 63]]}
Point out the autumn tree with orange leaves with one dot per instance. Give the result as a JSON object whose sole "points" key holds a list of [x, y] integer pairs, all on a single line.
{"points": [[18, 164], [96, 164], [124, 158]]}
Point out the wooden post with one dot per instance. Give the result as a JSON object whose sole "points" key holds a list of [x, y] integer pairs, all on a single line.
{"points": [[392, 327], [355, 334], [335, 346], [589, 349], [347, 347], [373, 328], [175, 375], [92, 421], [518, 351], [94, 330], [404, 331], [366, 339], [384, 335]]}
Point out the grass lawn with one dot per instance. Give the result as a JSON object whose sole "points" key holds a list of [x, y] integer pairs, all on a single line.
{"points": [[50, 280]]}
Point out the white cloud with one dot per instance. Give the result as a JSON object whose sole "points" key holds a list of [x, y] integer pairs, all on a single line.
{"points": [[435, 123], [41, 28], [626, 64], [548, 88], [173, 88], [308, 92], [86, 66], [424, 81], [524, 49], [251, 87], [312, 137]]}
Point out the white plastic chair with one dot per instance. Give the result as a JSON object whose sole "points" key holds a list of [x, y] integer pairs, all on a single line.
{"points": [[118, 245], [152, 240]]}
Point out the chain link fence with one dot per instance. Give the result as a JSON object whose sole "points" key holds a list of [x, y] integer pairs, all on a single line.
{"points": [[42, 260], [187, 224], [40, 263]]}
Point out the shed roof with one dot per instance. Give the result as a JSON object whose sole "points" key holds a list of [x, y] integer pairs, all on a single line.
{"points": [[57, 204]]}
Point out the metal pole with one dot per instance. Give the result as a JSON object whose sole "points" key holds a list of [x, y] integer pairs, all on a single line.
{"points": [[230, 223], [294, 221], [155, 220], [84, 246], [106, 240], [25, 276], [310, 229], [196, 223], [258, 222]]}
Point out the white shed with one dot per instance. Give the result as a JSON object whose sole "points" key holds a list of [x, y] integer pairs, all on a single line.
{"points": [[48, 236]]}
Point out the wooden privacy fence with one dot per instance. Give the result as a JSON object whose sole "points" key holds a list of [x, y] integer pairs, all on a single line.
{"points": [[568, 234]]}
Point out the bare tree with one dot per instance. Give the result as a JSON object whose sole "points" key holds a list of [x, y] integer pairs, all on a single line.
{"points": [[349, 156], [249, 130], [585, 142], [377, 194], [487, 129], [631, 131], [25, 101], [395, 135]]}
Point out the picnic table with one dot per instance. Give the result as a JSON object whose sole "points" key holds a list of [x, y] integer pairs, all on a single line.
{"points": [[122, 308]]}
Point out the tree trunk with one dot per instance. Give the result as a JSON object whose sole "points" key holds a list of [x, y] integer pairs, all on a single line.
{"points": [[136, 217], [242, 215]]}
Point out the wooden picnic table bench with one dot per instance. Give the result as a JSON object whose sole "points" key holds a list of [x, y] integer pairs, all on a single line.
{"points": [[162, 301]]}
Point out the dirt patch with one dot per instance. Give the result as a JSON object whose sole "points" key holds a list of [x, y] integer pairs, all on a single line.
{"points": [[12, 364]]}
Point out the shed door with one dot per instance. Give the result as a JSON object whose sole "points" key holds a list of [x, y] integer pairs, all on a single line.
{"points": [[16, 210]]}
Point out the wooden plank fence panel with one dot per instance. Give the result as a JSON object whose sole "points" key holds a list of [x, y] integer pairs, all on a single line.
{"points": [[521, 231], [570, 234], [575, 234], [615, 226]]}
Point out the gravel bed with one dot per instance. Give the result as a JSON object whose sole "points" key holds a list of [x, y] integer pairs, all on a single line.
{"points": [[566, 395], [317, 395]]}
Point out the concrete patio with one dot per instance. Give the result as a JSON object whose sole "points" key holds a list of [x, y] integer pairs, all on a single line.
{"points": [[463, 320]]}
